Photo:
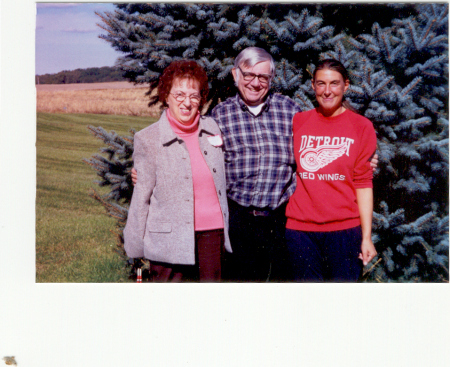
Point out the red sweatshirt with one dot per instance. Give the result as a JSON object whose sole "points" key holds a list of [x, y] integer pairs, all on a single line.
{"points": [[333, 160]]}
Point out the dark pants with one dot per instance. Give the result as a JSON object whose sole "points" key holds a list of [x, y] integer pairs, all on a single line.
{"points": [[325, 256], [258, 243], [209, 251]]}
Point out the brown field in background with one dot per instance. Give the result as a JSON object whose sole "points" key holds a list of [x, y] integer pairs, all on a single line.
{"points": [[115, 98]]}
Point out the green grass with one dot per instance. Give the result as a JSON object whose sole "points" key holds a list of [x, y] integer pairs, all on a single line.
{"points": [[74, 242]]}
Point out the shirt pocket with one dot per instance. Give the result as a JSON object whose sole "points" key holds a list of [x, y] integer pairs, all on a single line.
{"points": [[159, 227], [281, 146]]}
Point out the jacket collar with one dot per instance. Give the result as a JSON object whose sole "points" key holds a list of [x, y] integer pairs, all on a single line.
{"points": [[168, 136]]}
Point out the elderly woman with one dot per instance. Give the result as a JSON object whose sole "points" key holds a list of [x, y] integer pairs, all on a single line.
{"points": [[178, 217]]}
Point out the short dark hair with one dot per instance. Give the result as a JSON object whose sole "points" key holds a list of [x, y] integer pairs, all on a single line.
{"points": [[331, 64], [183, 69]]}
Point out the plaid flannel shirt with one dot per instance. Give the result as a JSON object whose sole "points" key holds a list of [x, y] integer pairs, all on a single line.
{"points": [[259, 157]]}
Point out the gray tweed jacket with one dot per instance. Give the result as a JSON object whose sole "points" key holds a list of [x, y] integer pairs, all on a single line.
{"points": [[160, 224]]}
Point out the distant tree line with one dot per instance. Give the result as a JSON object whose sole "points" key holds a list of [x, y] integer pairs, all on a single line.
{"points": [[89, 75]]}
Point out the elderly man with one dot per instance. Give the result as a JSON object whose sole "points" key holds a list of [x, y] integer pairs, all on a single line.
{"points": [[260, 168], [259, 165]]}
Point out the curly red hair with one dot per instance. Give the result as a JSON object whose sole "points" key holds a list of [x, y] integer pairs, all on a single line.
{"points": [[182, 69]]}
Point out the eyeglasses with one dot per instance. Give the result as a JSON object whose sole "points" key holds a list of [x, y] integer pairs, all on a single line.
{"points": [[263, 78], [180, 97]]}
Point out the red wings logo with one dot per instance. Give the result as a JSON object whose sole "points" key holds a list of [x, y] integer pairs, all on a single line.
{"points": [[312, 159]]}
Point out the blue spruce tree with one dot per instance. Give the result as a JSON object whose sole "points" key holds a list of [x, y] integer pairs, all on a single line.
{"points": [[402, 86], [399, 74]]}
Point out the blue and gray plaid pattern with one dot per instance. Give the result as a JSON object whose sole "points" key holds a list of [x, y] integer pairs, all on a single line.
{"points": [[259, 159]]}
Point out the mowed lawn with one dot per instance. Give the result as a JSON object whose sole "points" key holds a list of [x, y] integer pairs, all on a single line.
{"points": [[74, 242]]}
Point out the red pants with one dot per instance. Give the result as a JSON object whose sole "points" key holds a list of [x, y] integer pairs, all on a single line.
{"points": [[209, 249]]}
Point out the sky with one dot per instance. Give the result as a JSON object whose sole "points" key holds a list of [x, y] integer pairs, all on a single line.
{"points": [[67, 37]]}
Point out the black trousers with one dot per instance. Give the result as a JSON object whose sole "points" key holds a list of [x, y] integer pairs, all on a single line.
{"points": [[257, 237], [325, 256]]}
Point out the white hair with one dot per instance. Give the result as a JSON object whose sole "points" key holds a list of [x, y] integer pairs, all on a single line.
{"points": [[251, 56]]}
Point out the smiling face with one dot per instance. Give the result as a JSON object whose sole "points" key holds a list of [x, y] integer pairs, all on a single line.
{"points": [[252, 92], [329, 86], [186, 111]]}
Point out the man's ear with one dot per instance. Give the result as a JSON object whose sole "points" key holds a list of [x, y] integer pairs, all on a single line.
{"points": [[233, 71]]}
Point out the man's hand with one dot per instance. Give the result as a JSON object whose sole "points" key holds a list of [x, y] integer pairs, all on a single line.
{"points": [[374, 162], [134, 176]]}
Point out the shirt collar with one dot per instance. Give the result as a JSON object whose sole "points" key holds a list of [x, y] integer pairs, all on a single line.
{"points": [[244, 107]]}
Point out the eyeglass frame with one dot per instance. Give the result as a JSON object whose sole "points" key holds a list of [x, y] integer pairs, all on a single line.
{"points": [[181, 94], [244, 73]]}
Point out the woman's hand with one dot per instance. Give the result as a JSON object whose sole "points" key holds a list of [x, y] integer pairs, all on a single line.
{"points": [[368, 251], [133, 176], [374, 162]]}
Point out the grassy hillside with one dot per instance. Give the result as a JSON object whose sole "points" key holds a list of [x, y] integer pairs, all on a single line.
{"points": [[74, 242], [107, 98]]}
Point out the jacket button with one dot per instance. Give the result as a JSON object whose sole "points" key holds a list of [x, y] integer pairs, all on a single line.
{"points": [[214, 170], [206, 153], [220, 193]]}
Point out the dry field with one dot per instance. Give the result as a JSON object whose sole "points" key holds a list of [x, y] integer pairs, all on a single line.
{"points": [[116, 98]]}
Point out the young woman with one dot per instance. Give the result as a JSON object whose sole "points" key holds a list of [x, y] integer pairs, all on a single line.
{"points": [[178, 216], [330, 213]]}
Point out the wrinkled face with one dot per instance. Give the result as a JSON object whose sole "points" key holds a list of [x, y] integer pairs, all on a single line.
{"points": [[254, 91], [185, 111], [329, 86]]}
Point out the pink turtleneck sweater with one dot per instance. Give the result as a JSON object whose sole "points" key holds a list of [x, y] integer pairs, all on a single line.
{"points": [[207, 212]]}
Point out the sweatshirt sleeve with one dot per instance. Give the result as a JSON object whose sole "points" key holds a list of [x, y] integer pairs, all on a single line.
{"points": [[363, 173], [144, 163]]}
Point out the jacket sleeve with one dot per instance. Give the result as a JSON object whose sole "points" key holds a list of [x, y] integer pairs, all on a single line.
{"points": [[145, 165]]}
